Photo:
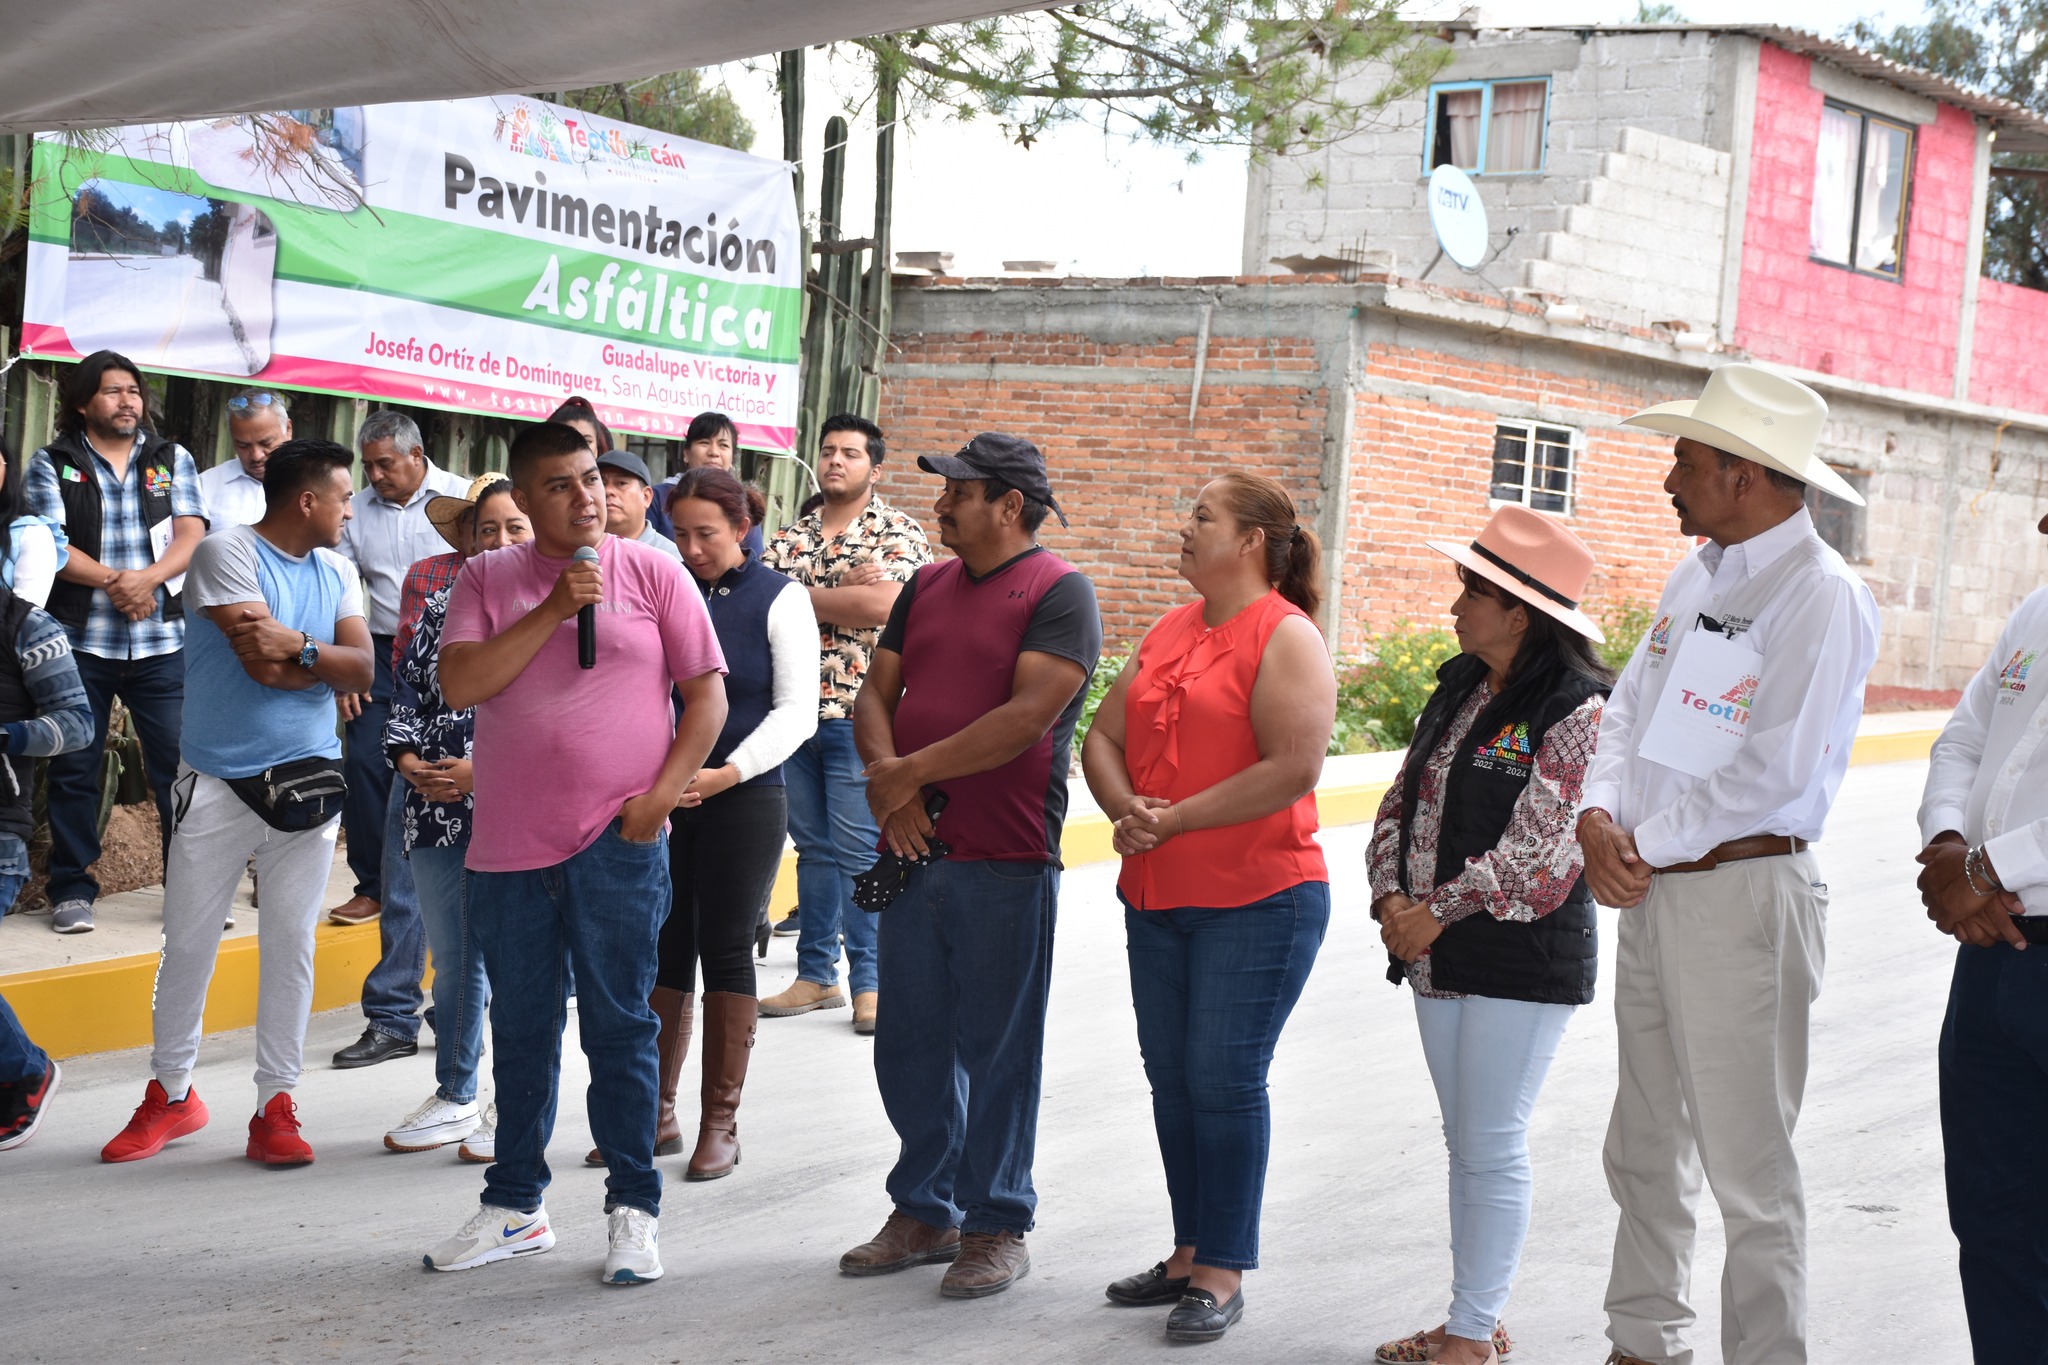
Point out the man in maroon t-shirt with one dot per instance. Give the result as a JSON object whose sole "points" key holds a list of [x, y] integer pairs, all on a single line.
{"points": [[973, 691]]}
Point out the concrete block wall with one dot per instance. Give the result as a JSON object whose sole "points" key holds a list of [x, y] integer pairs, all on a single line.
{"points": [[1371, 186], [1646, 244], [1902, 333]]}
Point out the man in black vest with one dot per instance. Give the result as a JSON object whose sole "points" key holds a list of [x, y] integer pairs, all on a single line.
{"points": [[129, 501]]}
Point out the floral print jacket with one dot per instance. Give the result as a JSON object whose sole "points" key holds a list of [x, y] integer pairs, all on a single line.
{"points": [[1530, 871]]}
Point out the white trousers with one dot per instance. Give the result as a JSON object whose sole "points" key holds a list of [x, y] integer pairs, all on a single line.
{"points": [[1715, 973], [214, 837]]}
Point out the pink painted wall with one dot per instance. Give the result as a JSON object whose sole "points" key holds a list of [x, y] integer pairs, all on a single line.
{"points": [[2006, 365], [1821, 317]]}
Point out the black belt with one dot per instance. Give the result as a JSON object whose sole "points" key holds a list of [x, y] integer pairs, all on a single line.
{"points": [[2033, 928]]}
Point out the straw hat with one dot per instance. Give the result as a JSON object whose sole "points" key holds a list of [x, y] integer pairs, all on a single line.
{"points": [[445, 510], [1747, 410], [1535, 557]]}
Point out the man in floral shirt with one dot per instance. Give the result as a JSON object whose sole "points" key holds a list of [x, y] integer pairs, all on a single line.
{"points": [[854, 552]]}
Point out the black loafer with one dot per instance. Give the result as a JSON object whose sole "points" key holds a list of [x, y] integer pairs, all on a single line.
{"points": [[373, 1047], [1148, 1290], [1198, 1317]]}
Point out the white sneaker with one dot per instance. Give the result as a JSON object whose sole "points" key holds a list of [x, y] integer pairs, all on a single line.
{"points": [[493, 1234], [634, 1257], [434, 1124], [482, 1145]]}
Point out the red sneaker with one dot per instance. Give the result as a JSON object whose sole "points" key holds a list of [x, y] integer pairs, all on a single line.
{"points": [[274, 1135], [156, 1121]]}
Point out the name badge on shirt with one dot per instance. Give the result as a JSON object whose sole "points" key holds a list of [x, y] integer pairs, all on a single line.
{"points": [[1702, 716]]}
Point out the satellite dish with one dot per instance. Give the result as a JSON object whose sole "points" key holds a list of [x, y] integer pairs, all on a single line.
{"points": [[1457, 216]]}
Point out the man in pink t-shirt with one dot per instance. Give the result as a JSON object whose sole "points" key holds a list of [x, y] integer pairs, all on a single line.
{"points": [[576, 772]]}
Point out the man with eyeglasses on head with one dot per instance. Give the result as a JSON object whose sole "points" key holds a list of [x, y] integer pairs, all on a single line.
{"points": [[259, 421]]}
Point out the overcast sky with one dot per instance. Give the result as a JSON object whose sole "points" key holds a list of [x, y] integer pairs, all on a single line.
{"points": [[1103, 205]]}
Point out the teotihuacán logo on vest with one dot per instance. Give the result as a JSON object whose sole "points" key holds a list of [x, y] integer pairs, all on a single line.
{"points": [[1660, 636], [1511, 743]]}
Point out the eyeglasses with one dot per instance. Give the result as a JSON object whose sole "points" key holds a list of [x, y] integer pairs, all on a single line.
{"points": [[242, 402]]}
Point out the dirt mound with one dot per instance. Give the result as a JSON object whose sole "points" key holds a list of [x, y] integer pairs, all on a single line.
{"points": [[131, 855]]}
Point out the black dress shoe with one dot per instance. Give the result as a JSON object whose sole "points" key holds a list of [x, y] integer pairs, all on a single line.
{"points": [[373, 1047], [1198, 1317], [1149, 1289]]}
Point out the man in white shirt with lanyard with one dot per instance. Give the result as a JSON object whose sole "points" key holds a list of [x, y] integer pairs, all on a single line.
{"points": [[1985, 880], [1720, 751]]}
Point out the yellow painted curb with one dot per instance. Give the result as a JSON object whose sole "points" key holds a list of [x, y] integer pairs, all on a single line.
{"points": [[104, 1006]]}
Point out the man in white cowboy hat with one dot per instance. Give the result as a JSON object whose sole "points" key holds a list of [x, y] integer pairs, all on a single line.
{"points": [[1721, 749], [1985, 881]]}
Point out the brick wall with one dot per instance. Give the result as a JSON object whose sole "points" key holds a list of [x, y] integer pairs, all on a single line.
{"points": [[2011, 341], [1825, 318], [1126, 463], [1421, 471]]}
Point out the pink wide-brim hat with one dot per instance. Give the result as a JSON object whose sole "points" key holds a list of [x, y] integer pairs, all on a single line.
{"points": [[1537, 558]]}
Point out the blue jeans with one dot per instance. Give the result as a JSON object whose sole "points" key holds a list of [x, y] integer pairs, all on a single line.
{"points": [[461, 991], [369, 780], [603, 908], [835, 840], [1212, 988], [1488, 1058], [966, 964], [1994, 1106], [391, 992], [20, 1058], [153, 690]]}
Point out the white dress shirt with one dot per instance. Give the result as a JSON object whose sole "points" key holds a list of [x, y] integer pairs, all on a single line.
{"points": [[1988, 777], [231, 496], [1817, 632], [384, 539]]}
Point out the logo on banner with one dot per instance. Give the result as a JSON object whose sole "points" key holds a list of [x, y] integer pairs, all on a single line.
{"points": [[1507, 751], [2013, 677], [1660, 636]]}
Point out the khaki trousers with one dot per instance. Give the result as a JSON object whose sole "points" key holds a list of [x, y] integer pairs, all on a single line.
{"points": [[1715, 973]]}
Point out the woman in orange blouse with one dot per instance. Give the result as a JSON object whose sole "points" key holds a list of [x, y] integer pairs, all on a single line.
{"points": [[1206, 753]]}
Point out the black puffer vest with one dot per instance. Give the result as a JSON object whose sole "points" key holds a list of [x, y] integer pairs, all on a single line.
{"points": [[79, 486], [1551, 960], [17, 772]]}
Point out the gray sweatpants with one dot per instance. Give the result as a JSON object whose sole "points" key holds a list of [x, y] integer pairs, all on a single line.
{"points": [[213, 838]]}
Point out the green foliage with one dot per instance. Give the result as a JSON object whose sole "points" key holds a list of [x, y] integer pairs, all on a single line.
{"points": [[676, 103], [1380, 699], [1625, 623], [1994, 46], [1647, 13], [1261, 74], [1107, 668]]}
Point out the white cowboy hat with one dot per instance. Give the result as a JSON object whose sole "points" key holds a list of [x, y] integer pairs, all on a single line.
{"points": [[1747, 410]]}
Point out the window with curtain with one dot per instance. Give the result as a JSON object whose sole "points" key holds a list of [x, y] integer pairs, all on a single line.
{"points": [[1488, 127], [1862, 170], [1533, 466]]}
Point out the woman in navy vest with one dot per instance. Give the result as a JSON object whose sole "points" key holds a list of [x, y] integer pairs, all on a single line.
{"points": [[1476, 884], [727, 845]]}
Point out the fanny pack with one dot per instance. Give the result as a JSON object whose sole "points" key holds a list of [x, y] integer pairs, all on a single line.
{"points": [[301, 795]]}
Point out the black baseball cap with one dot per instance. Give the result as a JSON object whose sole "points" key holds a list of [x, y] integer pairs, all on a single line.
{"points": [[626, 462], [1007, 459]]}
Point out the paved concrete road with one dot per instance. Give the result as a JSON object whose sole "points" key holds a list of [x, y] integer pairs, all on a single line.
{"points": [[197, 1255]]}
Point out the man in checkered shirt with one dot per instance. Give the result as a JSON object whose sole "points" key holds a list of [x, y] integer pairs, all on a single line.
{"points": [[130, 504]]}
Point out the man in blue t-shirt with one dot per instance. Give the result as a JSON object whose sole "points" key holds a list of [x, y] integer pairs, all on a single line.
{"points": [[277, 629]]}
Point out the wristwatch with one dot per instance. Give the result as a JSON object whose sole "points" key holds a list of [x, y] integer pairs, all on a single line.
{"points": [[310, 654]]}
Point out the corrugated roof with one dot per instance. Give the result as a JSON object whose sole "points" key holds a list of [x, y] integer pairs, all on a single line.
{"points": [[2021, 131]]}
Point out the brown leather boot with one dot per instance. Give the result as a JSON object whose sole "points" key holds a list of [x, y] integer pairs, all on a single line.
{"points": [[677, 1012], [729, 1020], [903, 1242], [989, 1263]]}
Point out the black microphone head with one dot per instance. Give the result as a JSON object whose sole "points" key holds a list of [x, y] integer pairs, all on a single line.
{"points": [[585, 552]]}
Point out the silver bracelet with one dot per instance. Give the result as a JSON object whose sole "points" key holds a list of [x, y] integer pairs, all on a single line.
{"points": [[1973, 864]]}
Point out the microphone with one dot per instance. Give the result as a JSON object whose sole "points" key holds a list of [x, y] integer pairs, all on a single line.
{"points": [[586, 618]]}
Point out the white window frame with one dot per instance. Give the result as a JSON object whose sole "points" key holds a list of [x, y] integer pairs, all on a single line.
{"points": [[1575, 448]]}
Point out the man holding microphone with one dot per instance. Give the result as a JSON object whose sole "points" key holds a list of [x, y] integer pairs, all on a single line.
{"points": [[577, 767]]}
